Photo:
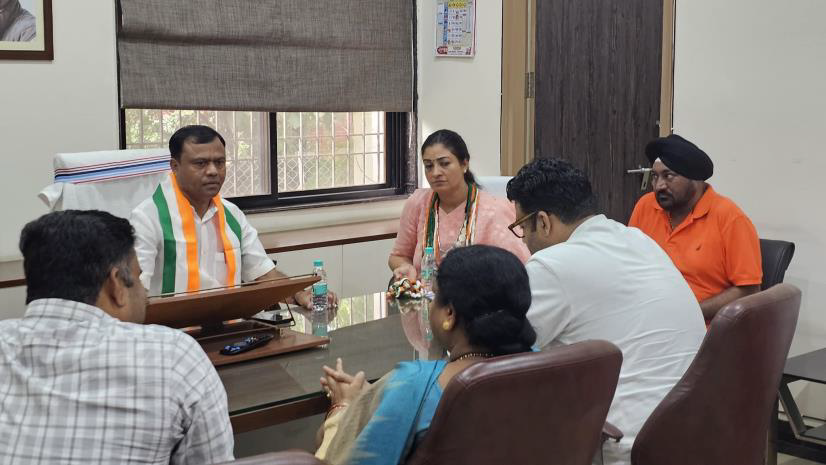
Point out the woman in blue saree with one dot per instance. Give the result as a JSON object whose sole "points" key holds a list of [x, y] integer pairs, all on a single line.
{"points": [[482, 295]]}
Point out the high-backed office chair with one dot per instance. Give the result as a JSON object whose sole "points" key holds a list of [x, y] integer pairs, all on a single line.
{"points": [[718, 413], [290, 457], [496, 185], [776, 258], [115, 181], [529, 409]]}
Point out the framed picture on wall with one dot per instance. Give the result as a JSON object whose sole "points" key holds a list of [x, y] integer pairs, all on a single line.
{"points": [[26, 30]]}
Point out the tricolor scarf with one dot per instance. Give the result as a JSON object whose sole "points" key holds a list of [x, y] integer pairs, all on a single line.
{"points": [[181, 270], [467, 234]]}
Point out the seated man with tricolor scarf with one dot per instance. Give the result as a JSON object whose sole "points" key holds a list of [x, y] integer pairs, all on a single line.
{"points": [[188, 236]]}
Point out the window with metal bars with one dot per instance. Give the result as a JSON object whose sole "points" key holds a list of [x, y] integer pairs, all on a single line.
{"points": [[291, 158]]}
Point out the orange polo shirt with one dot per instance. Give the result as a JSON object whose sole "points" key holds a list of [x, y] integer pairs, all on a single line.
{"points": [[715, 247]]}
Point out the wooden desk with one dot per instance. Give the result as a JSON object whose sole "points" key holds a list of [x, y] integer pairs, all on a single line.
{"points": [[278, 389]]}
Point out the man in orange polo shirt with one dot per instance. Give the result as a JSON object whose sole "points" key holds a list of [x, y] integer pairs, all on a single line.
{"points": [[711, 241]]}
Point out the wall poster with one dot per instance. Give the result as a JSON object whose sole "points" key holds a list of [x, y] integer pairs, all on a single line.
{"points": [[455, 28]]}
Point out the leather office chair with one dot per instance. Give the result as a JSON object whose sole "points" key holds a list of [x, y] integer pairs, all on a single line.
{"points": [[776, 258], [718, 413], [290, 457], [495, 185], [529, 409]]}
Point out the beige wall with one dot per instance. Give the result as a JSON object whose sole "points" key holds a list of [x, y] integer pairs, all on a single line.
{"points": [[66, 105], [750, 88], [464, 94]]}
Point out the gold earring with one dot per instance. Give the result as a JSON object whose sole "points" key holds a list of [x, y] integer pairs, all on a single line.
{"points": [[446, 325]]}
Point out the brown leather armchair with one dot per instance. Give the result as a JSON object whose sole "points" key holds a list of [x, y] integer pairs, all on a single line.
{"points": [[536, 408], [290, 457], [718, 413]]}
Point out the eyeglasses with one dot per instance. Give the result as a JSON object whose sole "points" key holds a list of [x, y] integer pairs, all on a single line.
{"points": [[516, 227]]}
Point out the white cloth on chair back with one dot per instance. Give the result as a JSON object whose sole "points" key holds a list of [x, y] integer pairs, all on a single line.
{"points": [[115, 181], [495, 185]]}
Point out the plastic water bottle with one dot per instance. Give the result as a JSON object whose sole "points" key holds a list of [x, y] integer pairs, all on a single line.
{"points": [[427, 275], [428, 270], [319, 314]]}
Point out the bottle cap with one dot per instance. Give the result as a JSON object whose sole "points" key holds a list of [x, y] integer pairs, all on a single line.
{"points": [[318, 262], [428, 250]]}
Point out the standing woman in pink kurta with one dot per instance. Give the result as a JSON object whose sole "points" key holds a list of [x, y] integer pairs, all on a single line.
{"points": [[459, 211]]}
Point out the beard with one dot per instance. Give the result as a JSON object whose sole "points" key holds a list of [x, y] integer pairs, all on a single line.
{"points": [[669, 201], [665, 200]]}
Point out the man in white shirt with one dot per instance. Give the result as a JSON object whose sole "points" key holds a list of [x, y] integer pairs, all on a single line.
{"points": [[82, 382], [188, 236], [594, 278]]}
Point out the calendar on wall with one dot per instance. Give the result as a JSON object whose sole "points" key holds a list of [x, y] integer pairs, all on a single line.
{"points": [[455, 28]]}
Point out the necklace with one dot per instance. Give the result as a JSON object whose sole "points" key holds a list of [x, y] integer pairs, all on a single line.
{"points": [[472, 354], [467, 233]]}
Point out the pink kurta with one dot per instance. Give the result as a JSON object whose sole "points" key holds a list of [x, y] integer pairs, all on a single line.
{"points": [[494, 214]]}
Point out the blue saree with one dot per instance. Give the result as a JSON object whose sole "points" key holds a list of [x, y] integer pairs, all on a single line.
{"points": [[380, 427]]}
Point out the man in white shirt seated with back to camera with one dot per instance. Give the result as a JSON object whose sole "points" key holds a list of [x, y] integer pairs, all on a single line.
{"points": [[81, 381], [188, 236], [594, 278]]}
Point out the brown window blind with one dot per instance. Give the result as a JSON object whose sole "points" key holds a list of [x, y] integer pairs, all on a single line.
{"points": [[267, 55]]}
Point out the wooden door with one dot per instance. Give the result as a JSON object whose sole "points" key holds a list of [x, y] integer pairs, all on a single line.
{"points": [[598, 90]]}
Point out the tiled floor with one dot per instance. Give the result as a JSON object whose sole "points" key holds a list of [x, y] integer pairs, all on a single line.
{"points": [[786, 460]]}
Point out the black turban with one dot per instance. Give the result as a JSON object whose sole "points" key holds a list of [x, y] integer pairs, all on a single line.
{"points": [[680, 156]]}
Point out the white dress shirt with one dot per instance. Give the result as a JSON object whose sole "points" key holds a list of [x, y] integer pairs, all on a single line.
{"points": [[79, 386], [612, 282], [254, 261]]}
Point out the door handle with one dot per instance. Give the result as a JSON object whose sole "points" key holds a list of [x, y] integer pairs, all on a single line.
{"points": [[646, 176], [639, 171]]}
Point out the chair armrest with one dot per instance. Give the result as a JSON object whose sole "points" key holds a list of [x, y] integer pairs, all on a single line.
{"points": [[610, 431]]}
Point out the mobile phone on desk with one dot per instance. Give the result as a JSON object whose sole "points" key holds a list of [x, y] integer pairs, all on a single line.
{"points": [[275, 316]]}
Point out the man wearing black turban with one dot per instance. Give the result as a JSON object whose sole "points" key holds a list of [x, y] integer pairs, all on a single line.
{"points": [[712, 242]]}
